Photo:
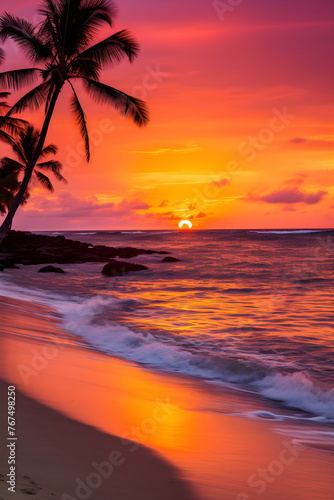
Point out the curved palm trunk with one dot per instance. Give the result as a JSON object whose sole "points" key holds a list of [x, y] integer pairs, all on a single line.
{"points": [[7, 224]]}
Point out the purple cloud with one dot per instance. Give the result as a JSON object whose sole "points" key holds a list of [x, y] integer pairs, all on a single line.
{"points": [[298, 140], [134, 204], [288, 196]]}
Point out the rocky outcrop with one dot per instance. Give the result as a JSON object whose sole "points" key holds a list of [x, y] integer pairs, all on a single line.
{"points": [[51, 269], [120, 267], [27, 248], [170, 259]]}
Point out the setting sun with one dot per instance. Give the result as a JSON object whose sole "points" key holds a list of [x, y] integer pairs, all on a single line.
{"points": [[186, 224]]}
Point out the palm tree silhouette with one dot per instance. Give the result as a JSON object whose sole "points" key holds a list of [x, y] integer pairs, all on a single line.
{"points": [[60, 46], [11, 170]]}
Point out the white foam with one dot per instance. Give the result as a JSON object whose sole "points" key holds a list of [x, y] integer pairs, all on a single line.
{"points": [[296, 390], [82, 234]]}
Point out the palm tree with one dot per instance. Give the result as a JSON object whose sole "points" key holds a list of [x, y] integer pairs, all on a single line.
{"points": [[11, 170], [61, 48]]}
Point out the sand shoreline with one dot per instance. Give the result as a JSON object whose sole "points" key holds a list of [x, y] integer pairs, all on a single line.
{"points": [[77, 401], [58, 457]]}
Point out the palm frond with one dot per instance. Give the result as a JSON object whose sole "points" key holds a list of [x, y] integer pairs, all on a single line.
{"points": [[4, 105], [31, 100], [85, 67], [10, 167], [93, 13], [51, 149], [17, 78], [111, 50], [19, 151], [87, 17], [129, 106], [81, 120], [49, 31], [7, 138], [28, 141], [12, 125], [55, 166], [23, 33], [44, 180]]}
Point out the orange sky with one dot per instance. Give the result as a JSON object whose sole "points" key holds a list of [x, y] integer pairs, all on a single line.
{"points": [[241, 131]]}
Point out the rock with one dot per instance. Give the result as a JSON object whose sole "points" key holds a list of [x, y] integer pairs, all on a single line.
{"points": [[119, 267], [31, 249], [51, 269], [1, 267], [7, 264], [170, 259]]}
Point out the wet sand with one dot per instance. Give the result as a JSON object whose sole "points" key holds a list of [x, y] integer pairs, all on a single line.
{"points": [[80, 407]]}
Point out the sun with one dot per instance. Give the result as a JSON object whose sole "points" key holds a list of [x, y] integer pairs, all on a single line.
{"points": [[185, 223]]}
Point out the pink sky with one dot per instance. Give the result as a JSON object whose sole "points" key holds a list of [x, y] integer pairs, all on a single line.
{"points": [[241, 130]]}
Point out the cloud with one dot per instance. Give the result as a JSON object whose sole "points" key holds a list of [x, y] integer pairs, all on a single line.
{"points": [[134, 204], [65, 205], [164, 203], [171, 216], [295, 181], [170, 150], [221, 183], [168, 215], [298, 140], [316, 142], [289, 195]]}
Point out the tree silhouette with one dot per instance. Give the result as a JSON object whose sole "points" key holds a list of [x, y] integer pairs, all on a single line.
{"points": [[60, 48]]}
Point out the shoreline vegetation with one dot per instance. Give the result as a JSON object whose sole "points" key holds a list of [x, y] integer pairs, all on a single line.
{"points": [[24, 248]]}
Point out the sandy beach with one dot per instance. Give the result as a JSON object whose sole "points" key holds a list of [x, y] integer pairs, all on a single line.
{"points": [[82, 415]]}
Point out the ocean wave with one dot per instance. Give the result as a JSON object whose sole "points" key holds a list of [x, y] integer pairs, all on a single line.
{"points": [[297, 390], [148, 233], [85, 318], [294, 390], [83, 234], [293, 231]]}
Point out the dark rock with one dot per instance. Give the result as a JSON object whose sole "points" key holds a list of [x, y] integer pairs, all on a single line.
{"points": [[119, 267], [26, 248], [7, 264], [170, 259], [51, 269]]}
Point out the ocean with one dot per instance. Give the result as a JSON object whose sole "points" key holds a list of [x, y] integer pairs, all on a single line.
{"points": [[251, 309]]}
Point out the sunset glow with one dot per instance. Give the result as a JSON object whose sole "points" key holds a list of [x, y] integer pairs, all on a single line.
{"points": [[240, 131]]}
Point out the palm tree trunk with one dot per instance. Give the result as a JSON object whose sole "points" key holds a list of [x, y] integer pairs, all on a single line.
{"points": [[7, 224]]}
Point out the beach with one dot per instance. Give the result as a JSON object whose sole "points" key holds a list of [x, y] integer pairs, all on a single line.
{"points": [[167, 436], [53, 450], [166, 250]]}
